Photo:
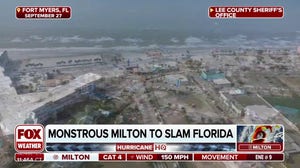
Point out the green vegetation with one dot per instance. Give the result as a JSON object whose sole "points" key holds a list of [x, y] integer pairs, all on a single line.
{"points": [[88, 112], [92, 111], [291, 102]]}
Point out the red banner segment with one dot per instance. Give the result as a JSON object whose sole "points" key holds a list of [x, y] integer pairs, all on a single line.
{"points": [[261, 147], [246, 12], [239, 157], [43, 12]]}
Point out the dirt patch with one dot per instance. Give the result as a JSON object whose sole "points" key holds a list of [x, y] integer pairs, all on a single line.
{"points": [[291, 82]]}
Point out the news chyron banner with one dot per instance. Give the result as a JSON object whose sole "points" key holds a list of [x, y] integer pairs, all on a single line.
{"points": [[263, 142]]}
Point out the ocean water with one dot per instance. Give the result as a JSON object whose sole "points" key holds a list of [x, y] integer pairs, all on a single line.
{"points": [[144, 38]]}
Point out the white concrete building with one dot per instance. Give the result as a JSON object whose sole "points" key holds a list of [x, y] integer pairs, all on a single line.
{"points": [[222, 83], [15, 109]]}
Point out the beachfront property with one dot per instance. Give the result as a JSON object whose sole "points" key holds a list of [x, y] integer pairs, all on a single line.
{"points": [[37, 107], [65, 95]]}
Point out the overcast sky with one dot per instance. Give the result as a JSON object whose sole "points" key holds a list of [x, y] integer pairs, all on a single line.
{"points": [[151, 14]]}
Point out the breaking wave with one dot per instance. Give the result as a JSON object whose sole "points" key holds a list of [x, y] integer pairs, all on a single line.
{"points": [[133, 40], [193, 40], [106, 42], [174, 40], [63, 40]]}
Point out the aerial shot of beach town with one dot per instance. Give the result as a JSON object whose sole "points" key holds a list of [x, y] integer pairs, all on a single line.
{"points": [[149, 62]]}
